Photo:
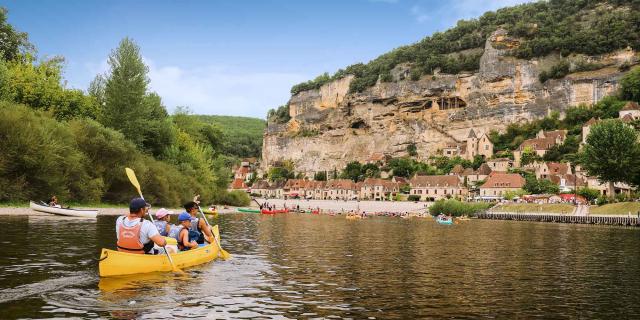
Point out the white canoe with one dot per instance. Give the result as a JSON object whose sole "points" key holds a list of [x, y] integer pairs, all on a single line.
{"points": [[63, 212]]}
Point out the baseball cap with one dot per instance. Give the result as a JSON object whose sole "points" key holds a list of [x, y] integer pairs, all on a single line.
{"points": [[137, 204], [184, 216], [163, 213]]}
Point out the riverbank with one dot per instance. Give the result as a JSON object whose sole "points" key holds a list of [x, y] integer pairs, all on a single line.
{"points": [[339, 206]]}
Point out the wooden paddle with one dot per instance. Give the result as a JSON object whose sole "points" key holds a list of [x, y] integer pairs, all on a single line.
{"points": [[134, 181], [222, 253]]}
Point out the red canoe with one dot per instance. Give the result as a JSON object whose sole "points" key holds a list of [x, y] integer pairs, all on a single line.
{"points": [[265, 211]]}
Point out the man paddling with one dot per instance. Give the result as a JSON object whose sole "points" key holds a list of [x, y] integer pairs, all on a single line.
{"points": [[134, 233], [199, 227]]}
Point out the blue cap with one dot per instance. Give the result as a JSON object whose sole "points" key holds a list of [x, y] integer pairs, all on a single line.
{"points": [[184, 216], [137, 204]]}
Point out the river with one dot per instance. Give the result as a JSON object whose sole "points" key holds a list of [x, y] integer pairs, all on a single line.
{"points": [[310, 266]]}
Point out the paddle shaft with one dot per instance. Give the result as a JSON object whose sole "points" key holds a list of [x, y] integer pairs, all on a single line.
{"points": [[134, 181], [212, 234]]}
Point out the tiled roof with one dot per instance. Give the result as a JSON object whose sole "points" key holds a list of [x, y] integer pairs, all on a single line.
{"points": [[472, 134], [558, 167], [538, 143], [591, 121], [504, 180], [627, 118], [484, 170], [457, 169], [238, 184], [435, 181], [630, 106], [260, 184], [370, 182]]}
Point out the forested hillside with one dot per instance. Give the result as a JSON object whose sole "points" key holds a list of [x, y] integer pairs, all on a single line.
{"points": [[56, 140], [566, 27], [242, 135]]}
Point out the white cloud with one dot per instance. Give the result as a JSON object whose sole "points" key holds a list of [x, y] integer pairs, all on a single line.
{"points": [[218, 90], [461, 9]]}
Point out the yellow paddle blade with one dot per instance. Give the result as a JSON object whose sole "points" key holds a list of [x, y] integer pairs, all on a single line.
{"points": [[134, 181], [216, 235]]}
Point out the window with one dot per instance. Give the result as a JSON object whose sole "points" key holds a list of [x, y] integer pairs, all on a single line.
{"points": [[435, 191]]}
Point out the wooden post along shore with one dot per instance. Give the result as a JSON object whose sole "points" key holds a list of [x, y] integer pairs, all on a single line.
{"points": [[603, 220]]}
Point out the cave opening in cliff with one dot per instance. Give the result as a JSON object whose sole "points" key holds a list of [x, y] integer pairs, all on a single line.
{"points": [[446, 103], [359, 124]]}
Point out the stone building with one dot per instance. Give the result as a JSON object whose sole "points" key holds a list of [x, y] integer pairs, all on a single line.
{"points": [[500, 164], [498, 184], [630, 111], [433, 188], [539, 145]]}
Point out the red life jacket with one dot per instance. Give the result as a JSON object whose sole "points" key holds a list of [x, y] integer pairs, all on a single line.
{"points": [[129, 238]]}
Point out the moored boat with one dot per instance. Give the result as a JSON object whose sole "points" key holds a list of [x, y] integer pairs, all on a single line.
{"points": [[442, 219], [248, 210], [81, 213], [116, 263], [265, 211]]}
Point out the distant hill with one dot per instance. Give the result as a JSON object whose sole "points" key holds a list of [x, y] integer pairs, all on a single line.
{"points": [[243, 134]]}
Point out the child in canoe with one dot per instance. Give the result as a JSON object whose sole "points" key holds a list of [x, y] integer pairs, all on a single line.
{"points": [[180, 232]]}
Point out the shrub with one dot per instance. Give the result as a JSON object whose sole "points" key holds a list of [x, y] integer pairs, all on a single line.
{"points": [[457, 208], [237, 198], [413, 197]]}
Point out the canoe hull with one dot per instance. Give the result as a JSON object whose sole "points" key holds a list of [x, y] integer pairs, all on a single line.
{"points": [[63, 212], [248, 210], [116, 263]]}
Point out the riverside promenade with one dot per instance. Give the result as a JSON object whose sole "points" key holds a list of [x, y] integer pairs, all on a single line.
{"points": [[339, 205], [562, 218]]}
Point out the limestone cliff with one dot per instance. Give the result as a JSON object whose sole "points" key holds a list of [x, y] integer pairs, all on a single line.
{"points": [[330, 127]]}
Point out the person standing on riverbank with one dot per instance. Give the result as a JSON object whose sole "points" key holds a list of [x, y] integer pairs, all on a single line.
{"points": [[136, 234]]}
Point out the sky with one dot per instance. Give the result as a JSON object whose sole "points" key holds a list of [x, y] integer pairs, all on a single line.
{"points": [[231, 57]]}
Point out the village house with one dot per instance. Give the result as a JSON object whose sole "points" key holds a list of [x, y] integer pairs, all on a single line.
{"points": [[378, 158], [341, 189], [500, 164], [498, 184], [276, 189], [544, 170], [630, 112], [432, 188], [476, 176], [568, 182], [372, 189], [539, 145], [242, 175], [468, 149], [260, 187]]}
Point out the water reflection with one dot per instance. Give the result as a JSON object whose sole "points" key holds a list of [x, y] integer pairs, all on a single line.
{"points": [[306, 266]]}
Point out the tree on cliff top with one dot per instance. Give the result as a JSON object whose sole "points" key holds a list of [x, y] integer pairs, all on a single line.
{"points": [[13, 43], [630, 85], [612, 153]]}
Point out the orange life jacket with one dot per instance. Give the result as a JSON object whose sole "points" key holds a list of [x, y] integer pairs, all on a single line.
{"points": [[129, 238]]}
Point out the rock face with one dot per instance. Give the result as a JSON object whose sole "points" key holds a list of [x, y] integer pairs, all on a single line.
{"points": [[330, 127]]}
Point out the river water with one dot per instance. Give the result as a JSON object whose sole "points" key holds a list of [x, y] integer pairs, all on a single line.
{"points": [[309, 266]]}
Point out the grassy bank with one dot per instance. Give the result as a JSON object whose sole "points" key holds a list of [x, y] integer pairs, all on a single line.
{"points": [[457, 208], [616, 209], [534, 207]]}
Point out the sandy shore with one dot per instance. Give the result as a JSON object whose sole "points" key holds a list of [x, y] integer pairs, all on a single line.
{"points": [[337, 206]]}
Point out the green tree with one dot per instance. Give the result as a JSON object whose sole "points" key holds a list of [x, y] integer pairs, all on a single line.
{"points": [[612, 153], [412, 150], [589, 194], [542, 186], [320, 176], [630, 85], [125, 91], [13, 42], [353, 171]]}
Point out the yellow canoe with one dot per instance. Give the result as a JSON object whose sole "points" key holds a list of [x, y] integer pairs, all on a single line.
{"points": [[116, 263]]}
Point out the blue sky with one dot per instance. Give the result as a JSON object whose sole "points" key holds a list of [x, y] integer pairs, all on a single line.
{"points": [[232, 57]]}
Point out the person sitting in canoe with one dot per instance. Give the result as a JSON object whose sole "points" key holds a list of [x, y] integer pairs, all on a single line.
{"points": [[180, 232], [162, 221], [134, 233], [53, 202], [198, 229]]}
